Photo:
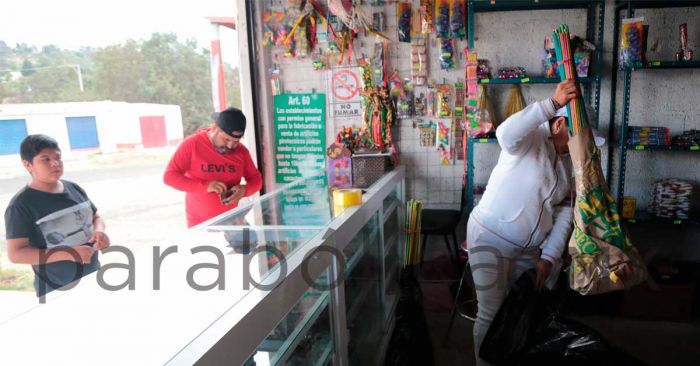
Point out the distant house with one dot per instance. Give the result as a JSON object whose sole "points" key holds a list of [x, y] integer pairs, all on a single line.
{"points": [[102, 126]]}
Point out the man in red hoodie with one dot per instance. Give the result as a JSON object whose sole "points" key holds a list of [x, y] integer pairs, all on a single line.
{"points": [[209, 165]]}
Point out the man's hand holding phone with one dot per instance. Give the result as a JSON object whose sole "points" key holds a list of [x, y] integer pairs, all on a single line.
{"points": [[234, 194]]}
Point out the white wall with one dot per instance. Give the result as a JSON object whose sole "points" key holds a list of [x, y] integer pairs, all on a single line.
{"points": [[117, 122], [666, 97]]}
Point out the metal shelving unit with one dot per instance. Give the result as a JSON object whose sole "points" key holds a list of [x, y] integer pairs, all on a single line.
{"points": [[661, 148], [594, 33], [647, 66], [535, 80], [647, 219]]}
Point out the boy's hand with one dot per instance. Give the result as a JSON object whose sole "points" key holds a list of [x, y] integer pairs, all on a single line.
{"points": [[85, 252], [100, 239], [565, 92]]}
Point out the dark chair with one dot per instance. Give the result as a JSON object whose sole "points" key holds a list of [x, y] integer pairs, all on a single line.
{"points": [[443, 222]]}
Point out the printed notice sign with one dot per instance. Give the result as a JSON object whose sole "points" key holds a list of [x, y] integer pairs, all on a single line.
{"points": [[300, 134]]}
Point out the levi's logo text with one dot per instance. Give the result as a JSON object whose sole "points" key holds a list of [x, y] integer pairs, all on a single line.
{"points": [[218, 168]]}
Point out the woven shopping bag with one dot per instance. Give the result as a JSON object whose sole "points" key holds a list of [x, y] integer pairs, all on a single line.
{"points": [[603, 258]]}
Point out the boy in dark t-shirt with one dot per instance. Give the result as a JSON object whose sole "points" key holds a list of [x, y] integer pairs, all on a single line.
{"points": [[51, 223]]}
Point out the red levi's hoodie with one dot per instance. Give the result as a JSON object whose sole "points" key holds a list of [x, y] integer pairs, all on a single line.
{"points": [[196, 163]]}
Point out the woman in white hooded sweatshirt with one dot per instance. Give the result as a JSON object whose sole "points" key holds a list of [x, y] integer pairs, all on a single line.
{"points": [[524, 218]]}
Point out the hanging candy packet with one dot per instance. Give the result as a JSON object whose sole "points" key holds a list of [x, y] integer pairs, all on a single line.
{"points": [[268, 32], [516, 102], [457, 19], [404, 105], [284, 26], [459, 138], [444, 128], [472, 90], [301, 39], [431, 103], [396, 85], [447, 57], [378, 58], [632, 42], [403, 10], [366, 67], [419, 105], [275, 85], [443, 100], [427, 134], [379, 21], [320, 62], [419, 60], [442, 19], [459, 99], [426, 16], [485, 115]]}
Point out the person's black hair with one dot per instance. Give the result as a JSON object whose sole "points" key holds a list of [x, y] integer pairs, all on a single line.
{"points": [[33, 144], [553, 119]]}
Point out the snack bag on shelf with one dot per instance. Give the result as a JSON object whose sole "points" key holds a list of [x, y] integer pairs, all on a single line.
{"points": [[632, 42]]}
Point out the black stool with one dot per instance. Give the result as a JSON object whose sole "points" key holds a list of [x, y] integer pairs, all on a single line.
{"points": [[467, 308]]}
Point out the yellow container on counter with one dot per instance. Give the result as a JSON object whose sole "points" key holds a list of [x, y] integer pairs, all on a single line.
{"points": [[345, 197]]}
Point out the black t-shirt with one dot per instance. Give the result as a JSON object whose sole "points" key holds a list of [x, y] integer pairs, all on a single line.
{"points": [[53, 220]]}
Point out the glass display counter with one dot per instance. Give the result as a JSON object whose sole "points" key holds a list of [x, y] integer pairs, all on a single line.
{"points": [[351, 323], [298, 282]]}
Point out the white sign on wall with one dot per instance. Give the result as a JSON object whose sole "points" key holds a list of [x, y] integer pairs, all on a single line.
{"points": [[344, 84]]}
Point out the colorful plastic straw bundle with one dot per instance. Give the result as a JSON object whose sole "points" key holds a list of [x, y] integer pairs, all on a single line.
{"points": [[567, 70], [413, 244]]}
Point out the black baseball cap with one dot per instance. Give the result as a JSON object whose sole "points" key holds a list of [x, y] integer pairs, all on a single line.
{"points": [[231, 120]]}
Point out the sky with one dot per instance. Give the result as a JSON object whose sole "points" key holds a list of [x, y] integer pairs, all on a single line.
{"points": [[71, 24]]}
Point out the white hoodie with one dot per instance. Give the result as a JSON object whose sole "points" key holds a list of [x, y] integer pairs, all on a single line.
{"points": [[527, 199]]}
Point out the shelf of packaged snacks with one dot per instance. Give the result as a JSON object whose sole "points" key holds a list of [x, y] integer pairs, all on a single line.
{"points": [[662, 147], [595, 14], [649, 4], [648, 219], [292, 341], [666, 65], [626, 9], [535, 80], [512, 5]]}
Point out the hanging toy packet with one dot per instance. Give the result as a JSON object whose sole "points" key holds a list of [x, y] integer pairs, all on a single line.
{"points": [[447, 54], [403, 10], [426, 17], [442, 20], [632, 42], [457, 19]]}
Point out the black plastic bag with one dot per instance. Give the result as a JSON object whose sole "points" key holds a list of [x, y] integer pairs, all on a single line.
{"points": [[410, 343], [528, 330], [515, 322]]}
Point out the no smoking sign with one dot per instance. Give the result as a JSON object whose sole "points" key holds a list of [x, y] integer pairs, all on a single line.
{"points": [[344, 91]]}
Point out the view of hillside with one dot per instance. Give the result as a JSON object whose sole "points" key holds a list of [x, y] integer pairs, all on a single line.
{"points": [[162, 69]]}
